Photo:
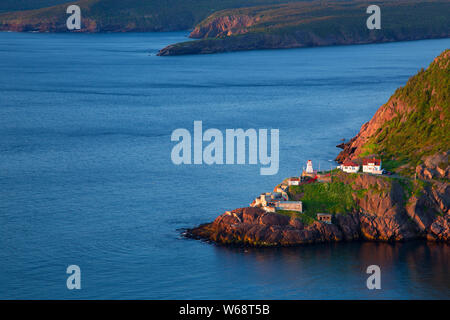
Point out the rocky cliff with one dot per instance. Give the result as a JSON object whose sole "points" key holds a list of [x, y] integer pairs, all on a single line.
{"points": [[224, 26], [386, 211], [316, 23], [115, 15], [411, 131]]}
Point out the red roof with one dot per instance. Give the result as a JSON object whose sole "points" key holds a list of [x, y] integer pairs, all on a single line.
{"points": [[349, 163], [376, 162]]}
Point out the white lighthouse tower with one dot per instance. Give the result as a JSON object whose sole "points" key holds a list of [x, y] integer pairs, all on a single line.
{"points": [[309, 167]]}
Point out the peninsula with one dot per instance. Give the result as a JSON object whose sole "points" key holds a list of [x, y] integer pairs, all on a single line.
{"points": [[235, 25], [401, 193], [115, 16], [314, 23]]}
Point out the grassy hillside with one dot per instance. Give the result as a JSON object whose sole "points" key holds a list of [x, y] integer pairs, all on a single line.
{"points": [[334, 198], [420, 126], [19, 5], [315, 23], [120, 15]]}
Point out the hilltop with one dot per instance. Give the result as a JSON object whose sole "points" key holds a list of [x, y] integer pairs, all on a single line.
{"points": [[316, 23], [411, 131], [115, 15]]}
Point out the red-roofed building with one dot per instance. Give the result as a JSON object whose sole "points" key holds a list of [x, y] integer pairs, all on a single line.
{"points": [[372, 161], [294, 181], [350, 166], [372, 165]]}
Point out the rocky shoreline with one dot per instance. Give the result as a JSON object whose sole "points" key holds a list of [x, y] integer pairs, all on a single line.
{"points": [[411, 132], [384, 214]]}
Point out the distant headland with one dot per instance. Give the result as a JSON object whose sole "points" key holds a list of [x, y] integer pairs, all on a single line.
{"points": [[236, 25], [312, 24]]}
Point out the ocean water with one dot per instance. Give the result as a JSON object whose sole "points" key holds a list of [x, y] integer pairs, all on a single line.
{"points": [[86, 176]]}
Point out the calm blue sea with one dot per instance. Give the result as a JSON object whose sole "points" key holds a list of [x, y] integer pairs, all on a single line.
{"points": [[86, 176]]}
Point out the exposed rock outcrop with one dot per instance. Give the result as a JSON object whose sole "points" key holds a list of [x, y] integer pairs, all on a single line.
{"points": [[434, 166], [309, 24], [224, 26], [412, 127], [260, 228], [387, 112], [386, 213], [379, 208]]}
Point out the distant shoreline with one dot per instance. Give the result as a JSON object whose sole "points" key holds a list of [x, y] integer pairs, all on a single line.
{"points": [[187, 48], [302, 24]]}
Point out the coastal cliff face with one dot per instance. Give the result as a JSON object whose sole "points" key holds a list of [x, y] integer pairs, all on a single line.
{"points": [[47, 19], [241, 39], [115, 15], [385, 213], [310, 24], [354, 148], [411, 131], [224, 26]]}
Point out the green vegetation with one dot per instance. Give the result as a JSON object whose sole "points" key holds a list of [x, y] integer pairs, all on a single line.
{"points": [[333, 198], [368, 149], [412, 188], [19, 5], [392, 164], [306, 219], [361, 193], [376, 189], [321, 17], [116, 15], [303, 24], [422, 130]]}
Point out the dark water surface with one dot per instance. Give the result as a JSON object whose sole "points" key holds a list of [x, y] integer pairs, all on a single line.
{"points": [[86, 176]]}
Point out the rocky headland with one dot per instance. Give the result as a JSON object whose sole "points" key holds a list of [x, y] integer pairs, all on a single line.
{"points": [[311, 24], [410, 133], [385, 211]]}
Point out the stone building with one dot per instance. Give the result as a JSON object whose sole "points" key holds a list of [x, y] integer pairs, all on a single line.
{"points": [[289, 205], [324, 217]]}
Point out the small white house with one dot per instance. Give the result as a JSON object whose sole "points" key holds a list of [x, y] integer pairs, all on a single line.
{"points": [[350, 167], [372, 166], [294, 181]]}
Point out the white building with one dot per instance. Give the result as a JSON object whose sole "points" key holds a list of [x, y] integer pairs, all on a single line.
{"points": [[266, 199], [350, 167], [289, 205], [372, 166], [309, 172], [309, 167], [294, 181]]}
